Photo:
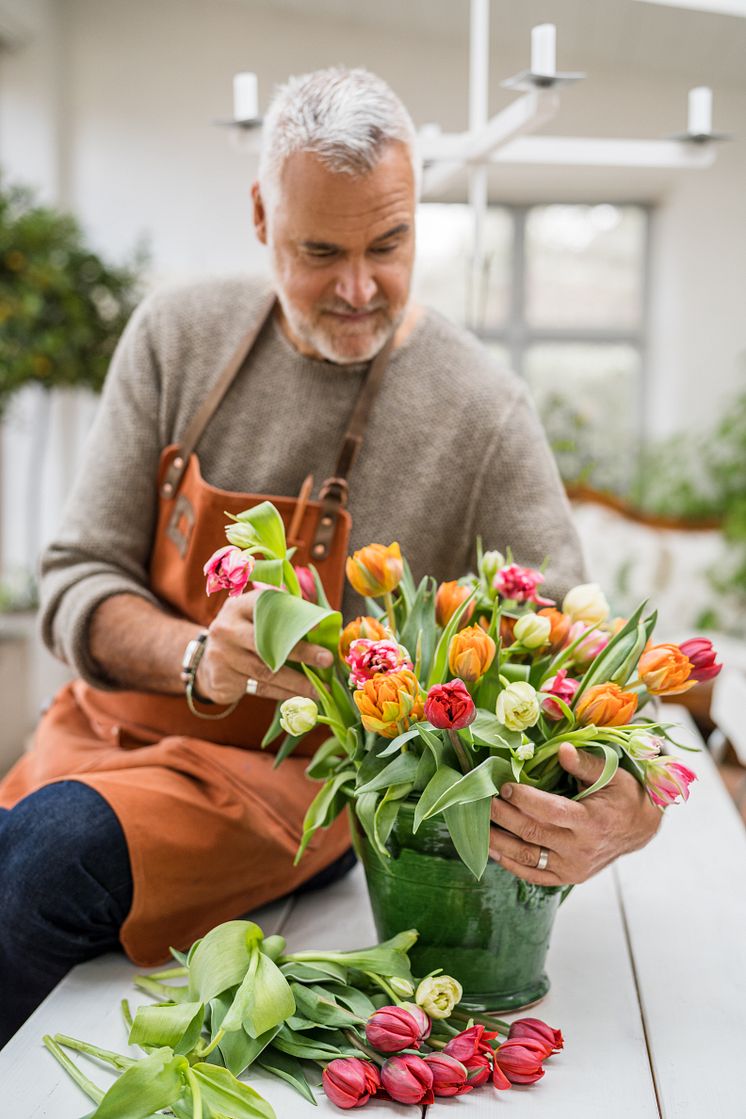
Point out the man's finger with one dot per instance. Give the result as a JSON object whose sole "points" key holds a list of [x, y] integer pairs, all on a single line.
{"points": [[547, 808], [526, 827], [579, 763], [312, 655]]}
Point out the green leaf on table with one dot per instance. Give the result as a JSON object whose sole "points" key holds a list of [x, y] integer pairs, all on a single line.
{"points": [[401, 770], [154, 1082], [309, 1048], [317, 1005], [224, 1095], [281, 620], [469, 828], [287, 1068], [355, 1000], [176, 1026], [237, 1049], [442, 780], [221, 959], [439, 669], [611, 764], [263, 1000], [387, 959], [267, 528], [484, 781], [317, 972]]}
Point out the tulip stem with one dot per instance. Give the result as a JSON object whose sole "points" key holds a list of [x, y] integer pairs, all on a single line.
{"points": [[389, 604], [459, 750], [374, 978], [481, 1019], [355, 1041]]}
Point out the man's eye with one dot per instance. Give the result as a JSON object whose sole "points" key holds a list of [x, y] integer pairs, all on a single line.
{"points": [[320, 254], [381, 250]]}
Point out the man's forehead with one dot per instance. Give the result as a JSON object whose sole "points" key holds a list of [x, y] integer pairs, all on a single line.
{"points": [[321, 205]]}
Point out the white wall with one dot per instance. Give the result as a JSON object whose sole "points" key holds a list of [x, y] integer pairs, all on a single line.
{"points": [[110, 109]]}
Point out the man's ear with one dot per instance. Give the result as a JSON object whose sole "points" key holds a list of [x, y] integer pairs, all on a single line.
{"points": [[260, 214]]}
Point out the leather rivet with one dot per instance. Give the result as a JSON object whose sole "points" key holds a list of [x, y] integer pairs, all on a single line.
{"points": [[178, 462], [326, 521], [318, 550], [168, 489]]}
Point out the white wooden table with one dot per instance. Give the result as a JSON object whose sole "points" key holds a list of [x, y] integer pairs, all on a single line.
{"points": [[648, 970]]}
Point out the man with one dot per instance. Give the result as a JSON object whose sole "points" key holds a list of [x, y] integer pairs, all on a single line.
{"points": [[121, 828]]}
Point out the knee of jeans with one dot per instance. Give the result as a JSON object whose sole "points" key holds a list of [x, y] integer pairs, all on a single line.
{"points": [[63, 858]]}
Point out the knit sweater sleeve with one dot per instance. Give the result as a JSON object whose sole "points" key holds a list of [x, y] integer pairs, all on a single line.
{"points": [[519, 501], [103, 545]]}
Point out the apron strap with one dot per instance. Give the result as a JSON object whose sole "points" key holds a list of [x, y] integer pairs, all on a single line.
{"points": [[210, 404]]}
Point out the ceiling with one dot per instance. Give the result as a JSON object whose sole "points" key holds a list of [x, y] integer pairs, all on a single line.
{"points": [[650, 38]]}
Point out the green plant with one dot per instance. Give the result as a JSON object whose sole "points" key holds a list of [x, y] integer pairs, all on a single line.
{"points": [[62, 307]]}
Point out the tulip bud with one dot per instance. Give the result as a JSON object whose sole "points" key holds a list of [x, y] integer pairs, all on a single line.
{"points": [[298, 715], [403, 988], [539, 1031], [564, 688], [606, 705], [519, 1060], [699, 651], [478, 1069], [307, 584], [448, 598], [466, 1043], [375, 570], [364, 626], [350, 1082], [417, 1012], [490, 565], [665, 670], [518, 706], [392, 1028], [407, 1079], [449, 706], [642, 747], [389, 702], [242, 534], [586, 603], [524, 751], [591, 645], [532, 630], [449, 1075], [520, 584], [470, 653], [366, 658], [559, 626], [229, 569], [666, 780], [438, 994]]}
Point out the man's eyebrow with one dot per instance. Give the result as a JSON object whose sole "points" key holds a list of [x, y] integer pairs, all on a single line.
{"points": [[329, 246]]}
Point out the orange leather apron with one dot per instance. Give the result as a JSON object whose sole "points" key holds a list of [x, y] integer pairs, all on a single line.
{"points": [[211, 827]]}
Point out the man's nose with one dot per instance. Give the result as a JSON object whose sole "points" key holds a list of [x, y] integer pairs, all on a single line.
{"points": [[356, 285]]}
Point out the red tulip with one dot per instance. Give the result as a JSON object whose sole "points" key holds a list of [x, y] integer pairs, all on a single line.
{"points": [[307, 584], [539, 1031], [392, 1028], [479, 1069], [700, 652], [449, 706], [519, 1061], [408, 1079], [449, 1075], [350, 1082]]}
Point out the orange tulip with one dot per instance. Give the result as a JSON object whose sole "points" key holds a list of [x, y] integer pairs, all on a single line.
{"points": [[389, 702], [448, 598], [375, 570], [606, 705], [470, 654], [665, 670], [364, 626], [560, 626], [507, 625]]}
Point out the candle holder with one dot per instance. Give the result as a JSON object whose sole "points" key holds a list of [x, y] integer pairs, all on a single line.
{"points": [[527, 80], [701, 137], [244, 125]]}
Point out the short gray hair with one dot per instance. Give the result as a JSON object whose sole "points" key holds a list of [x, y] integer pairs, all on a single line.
{"points": [[345, 117]]}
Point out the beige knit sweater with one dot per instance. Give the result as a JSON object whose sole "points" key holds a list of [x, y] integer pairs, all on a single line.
{"points": [[453, 449]]}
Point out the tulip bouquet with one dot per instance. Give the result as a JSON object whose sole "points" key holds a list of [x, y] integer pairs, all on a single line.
{"points": [[357, 1015], [440, 694]]}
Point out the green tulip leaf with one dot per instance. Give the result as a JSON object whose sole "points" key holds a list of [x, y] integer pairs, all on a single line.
{"points": [[268, 571], [484, 781], [469, 828], [354, 999], [154, 1082], [176, 1026], [317, 972], [611, 764], [281, 620], [221, 959], [224, 1095], [317, 1005], [420, 625], [439, 670], [401, 770], [267, 528], [263, 1000], [287, 1068], [442, 780], [324, 808], [487, 730]]}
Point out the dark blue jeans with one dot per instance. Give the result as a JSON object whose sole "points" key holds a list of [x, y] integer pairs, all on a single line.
{"points": [[65, 891]]}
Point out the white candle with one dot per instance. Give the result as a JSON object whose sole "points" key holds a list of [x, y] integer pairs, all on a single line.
{"points": [[245, 96], [700, 111], [543, 50]]}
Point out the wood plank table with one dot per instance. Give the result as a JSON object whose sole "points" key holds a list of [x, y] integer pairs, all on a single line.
{"points": [[648, 969]]}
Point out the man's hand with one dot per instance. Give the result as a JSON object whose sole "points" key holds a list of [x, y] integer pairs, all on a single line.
{"points": [[230, 658], [582, 836]]}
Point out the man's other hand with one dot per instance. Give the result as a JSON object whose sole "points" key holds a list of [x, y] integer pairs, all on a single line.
{"points": [[230, 658], [581, 836]]}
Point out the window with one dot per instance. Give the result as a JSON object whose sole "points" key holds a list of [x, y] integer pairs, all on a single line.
{"points": [[560, 297]]}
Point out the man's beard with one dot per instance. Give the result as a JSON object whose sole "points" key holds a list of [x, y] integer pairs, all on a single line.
{"points": [[342, 345]]}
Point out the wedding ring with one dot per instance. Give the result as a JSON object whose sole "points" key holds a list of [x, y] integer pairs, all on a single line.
{"points": [[543, 859], [252, 686]]}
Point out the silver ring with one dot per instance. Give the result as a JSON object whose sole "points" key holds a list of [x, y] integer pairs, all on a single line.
{"points": [[543, 859], [252, 686]]}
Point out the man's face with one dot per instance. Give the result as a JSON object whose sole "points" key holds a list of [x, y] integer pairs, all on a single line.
{"points": [[342, 252]]}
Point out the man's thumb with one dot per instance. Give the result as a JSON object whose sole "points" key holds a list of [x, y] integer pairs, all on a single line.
{"points": [[579, 763]]}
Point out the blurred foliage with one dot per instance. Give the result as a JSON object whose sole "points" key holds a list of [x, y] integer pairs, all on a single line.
{"points": [[62, 308]]}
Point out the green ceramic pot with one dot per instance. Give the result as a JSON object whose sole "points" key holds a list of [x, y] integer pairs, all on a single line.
{"points": [[491, 935]]}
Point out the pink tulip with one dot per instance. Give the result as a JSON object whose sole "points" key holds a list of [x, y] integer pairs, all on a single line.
{"points": [[478, 1068], [519, 1061], [700, 652], [449, 1075], [666, 780], [307, 584], [520, 584], [465, 1044], [366, 658], [589, 647], [560, 685], [392, 1028], [539, 1031], [229, 569], [350, 1082], [408, 1079]]}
